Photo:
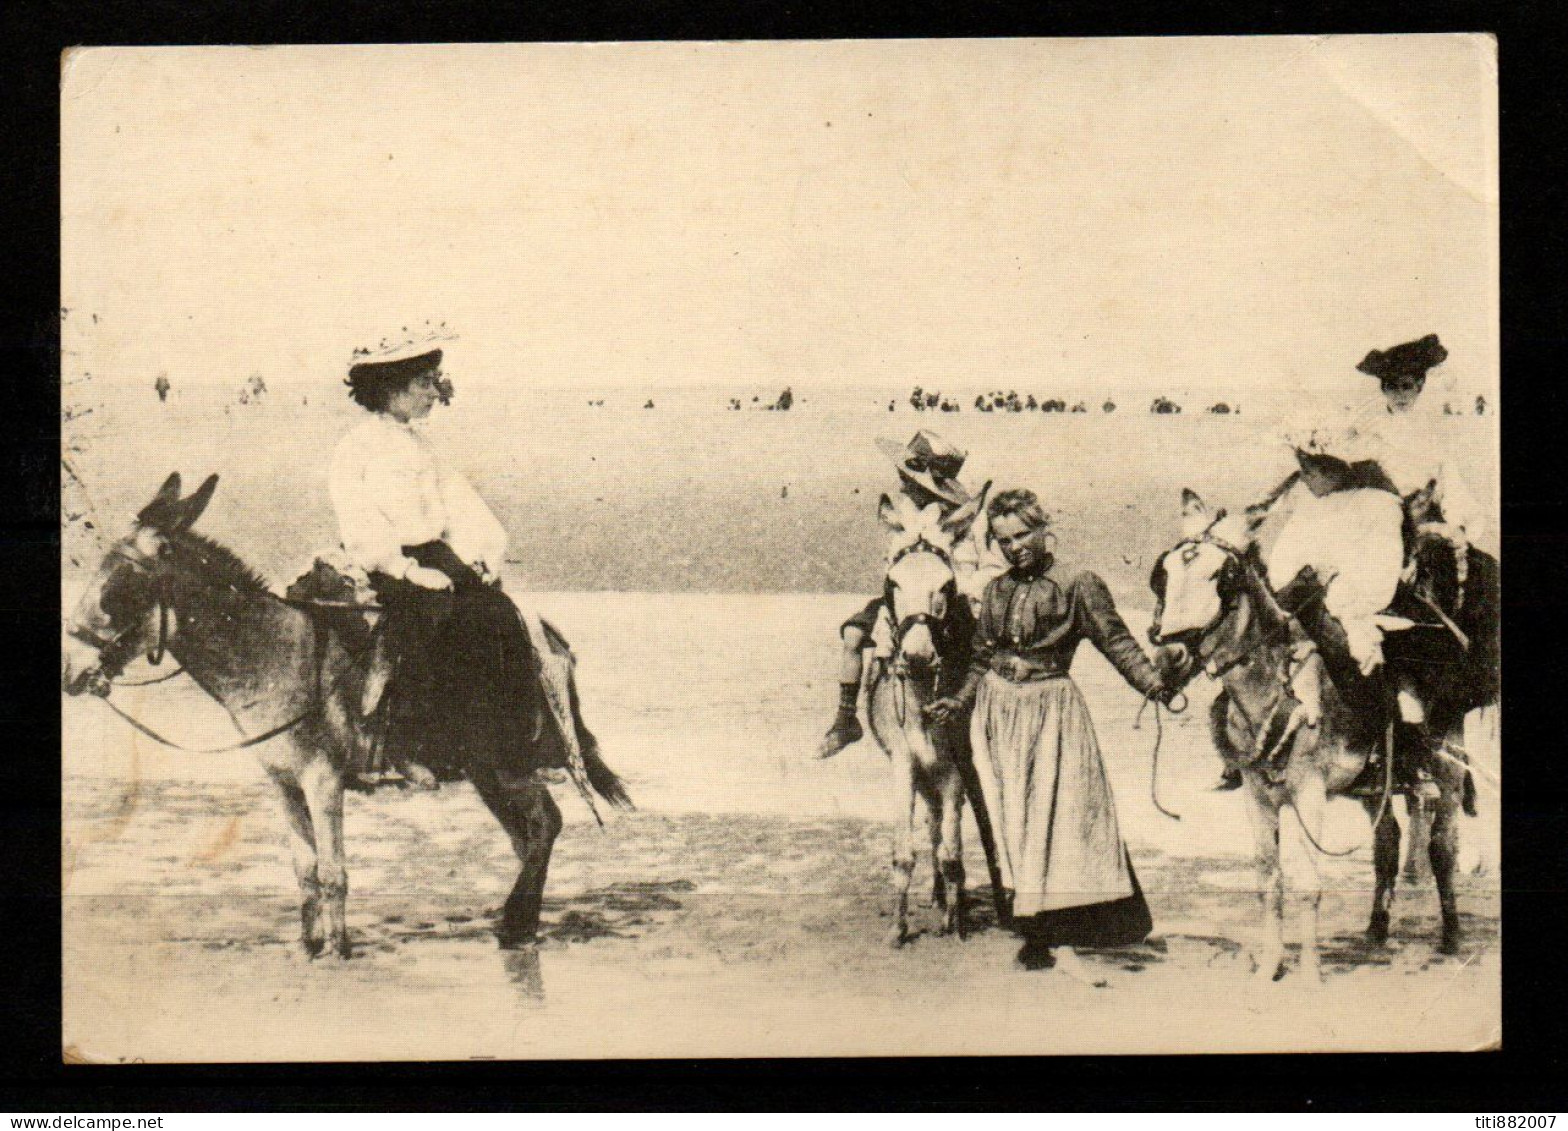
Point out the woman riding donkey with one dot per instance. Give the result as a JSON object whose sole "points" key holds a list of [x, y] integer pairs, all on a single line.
{"points": [[1373, 503], [453, 664], [928, 468]]}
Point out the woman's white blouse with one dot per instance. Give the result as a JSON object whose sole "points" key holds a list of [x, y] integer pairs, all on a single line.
{"points": [[1410, 448], [390, 489]]}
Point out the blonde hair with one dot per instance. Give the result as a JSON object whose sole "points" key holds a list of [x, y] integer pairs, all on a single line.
{"points": [[1020, 503]]}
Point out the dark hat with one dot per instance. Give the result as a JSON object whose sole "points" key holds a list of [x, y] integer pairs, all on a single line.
{"points": [[399, 369], [1411, 359], [930, 462]]}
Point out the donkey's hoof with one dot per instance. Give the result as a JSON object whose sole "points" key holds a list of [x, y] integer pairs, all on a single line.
{"points": [[897, 937], [1449, 945], [1377, 931]]}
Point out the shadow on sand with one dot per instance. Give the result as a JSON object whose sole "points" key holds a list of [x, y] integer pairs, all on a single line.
{"points": [[618, 911]]}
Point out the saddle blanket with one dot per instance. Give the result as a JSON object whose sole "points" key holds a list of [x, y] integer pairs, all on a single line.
{"points": [[344, 596]]}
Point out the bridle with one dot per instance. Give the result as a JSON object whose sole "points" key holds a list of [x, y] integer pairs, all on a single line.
{"points": [[111, 647], [927, 618], [1230, 587], [898, 668], [1237, 576]]}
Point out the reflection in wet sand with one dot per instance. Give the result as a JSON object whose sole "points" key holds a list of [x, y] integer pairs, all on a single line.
{"points": [[524, 971]]}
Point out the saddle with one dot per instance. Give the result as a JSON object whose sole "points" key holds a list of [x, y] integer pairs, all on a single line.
{"points": [[334, 596], [1440, 658]]}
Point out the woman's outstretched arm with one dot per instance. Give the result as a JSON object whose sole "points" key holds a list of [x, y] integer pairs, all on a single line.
{"points": [[1103, 625]]}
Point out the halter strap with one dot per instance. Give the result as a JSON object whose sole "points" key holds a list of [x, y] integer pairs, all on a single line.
{"points": [[921, 546], [899, 627]]}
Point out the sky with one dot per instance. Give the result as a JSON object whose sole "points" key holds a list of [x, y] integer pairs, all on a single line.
{"points": [[1126, 216]]}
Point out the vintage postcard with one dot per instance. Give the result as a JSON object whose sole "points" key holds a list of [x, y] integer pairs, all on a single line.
{"points": [[780, 549]]}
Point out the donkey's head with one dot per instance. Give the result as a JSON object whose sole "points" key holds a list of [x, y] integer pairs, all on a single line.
{"points": [[122, 610], [920, 580], [1197, 582]]}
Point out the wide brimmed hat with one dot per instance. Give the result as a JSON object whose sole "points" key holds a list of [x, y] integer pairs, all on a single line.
{"points": [[929, 462], [378, 370], [1409, 359]]}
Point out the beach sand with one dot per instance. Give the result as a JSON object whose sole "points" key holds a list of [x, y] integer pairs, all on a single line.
{"points": [[741, 910]]}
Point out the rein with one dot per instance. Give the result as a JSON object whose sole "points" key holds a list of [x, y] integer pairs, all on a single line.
{"points": [[164, 678], [157, 649], [1159, 737], [1382, 803], [319, 701]]}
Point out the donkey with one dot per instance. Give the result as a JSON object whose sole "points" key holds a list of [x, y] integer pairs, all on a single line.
{"points": [[1293, 733], [292, 684], [923, 645]]}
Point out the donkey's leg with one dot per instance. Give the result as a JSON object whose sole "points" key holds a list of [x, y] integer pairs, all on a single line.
{"points": [[1310, 800], [933, 827], [903, 843], [532, 821], [1443, 848], [323, 786], [1418, 845], [302, 846], [948, 859], [1385, 865], [521, 916], [1269, 949]]}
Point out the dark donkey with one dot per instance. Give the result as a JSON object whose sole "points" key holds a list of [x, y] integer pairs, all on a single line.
{"points": [[292, 683]]}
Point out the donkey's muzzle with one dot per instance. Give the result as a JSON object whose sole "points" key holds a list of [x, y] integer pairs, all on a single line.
{"points": [[86, 680], [80, 666]]}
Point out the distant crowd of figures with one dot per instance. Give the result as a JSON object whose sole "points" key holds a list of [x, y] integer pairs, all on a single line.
{"points": [[785, 402], [254, 390], [922, 401]]}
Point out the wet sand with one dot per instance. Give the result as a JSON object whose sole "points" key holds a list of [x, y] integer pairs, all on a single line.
{"points": [[740, 911]]}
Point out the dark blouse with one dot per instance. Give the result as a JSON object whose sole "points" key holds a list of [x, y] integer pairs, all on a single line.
{"points": [[1030, 626]]}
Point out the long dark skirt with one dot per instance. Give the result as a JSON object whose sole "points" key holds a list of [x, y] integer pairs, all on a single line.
{"points": [[465, 688], [1116, 922]]}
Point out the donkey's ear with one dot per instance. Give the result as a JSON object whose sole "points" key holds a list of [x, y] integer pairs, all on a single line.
{"points": [[160, 511], [189, 510], [887, 511], [958, 524], [1195, 516]]}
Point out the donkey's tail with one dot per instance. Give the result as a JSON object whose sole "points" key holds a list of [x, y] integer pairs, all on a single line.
{"points": [[567, 710], [605, 781]]}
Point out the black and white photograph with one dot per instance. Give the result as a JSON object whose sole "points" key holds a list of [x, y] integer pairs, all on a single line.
{"points": [[780, 549]]}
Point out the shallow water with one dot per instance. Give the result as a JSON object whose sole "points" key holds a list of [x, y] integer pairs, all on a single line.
{"points": [[741, 909]]}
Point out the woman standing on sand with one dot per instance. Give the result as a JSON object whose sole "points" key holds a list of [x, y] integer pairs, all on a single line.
{"points": [[1062, 849]]}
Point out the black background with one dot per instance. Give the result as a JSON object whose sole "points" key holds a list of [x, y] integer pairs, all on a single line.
{"points": [[1527, 1075]]}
